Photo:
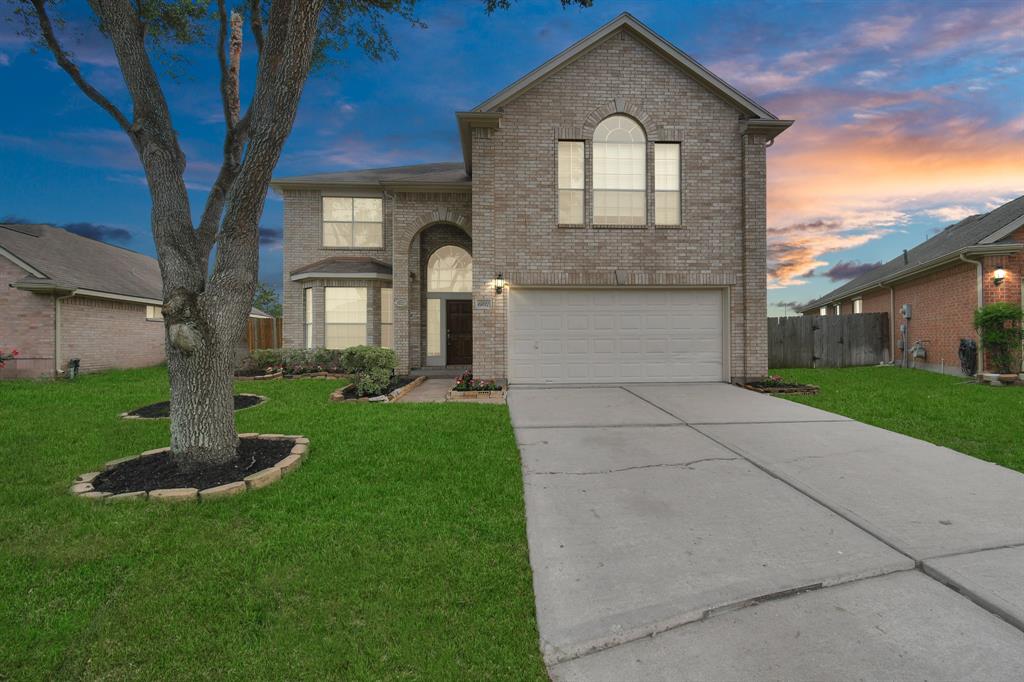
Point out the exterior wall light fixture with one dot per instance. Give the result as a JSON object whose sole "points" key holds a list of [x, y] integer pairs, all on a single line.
{"points": [[999, 276], [499, 283]]}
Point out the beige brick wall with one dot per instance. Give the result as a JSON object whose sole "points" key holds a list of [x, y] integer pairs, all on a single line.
{"points": [[107, 334], [720, 243], [511, 213], [26, 324]]}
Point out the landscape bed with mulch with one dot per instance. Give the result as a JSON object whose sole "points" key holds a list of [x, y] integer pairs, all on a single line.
{"points": [[158, 471], [350, 392], [777, 385], [163, 410]]}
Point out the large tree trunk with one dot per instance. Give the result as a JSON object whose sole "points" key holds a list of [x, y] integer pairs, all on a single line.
{"points": [[205, 313], [202, 405]]}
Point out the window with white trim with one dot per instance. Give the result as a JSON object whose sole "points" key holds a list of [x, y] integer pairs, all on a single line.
{"points": [[387, 318], [307, 315], [353, 222], [858, 306], [154, 312], [570, 182], [344, 317], [838, 309], [666, 184], [620, 172], [823, 311]]}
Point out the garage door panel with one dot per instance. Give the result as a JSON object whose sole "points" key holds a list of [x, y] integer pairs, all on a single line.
{"points": [[603, 335]]}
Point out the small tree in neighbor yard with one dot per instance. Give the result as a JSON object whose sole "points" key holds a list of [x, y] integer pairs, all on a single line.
{"points": [[205, 310], [999, 325], [266, 299]]}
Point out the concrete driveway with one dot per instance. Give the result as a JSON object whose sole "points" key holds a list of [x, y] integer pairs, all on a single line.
{"points": [[702, 531]]}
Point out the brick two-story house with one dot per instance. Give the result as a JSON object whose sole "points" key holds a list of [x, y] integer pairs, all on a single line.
{"points": [[606, 224], [977, 261]]}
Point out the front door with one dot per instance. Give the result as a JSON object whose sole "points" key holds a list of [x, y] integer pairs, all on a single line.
{"points": [[459, 322]]}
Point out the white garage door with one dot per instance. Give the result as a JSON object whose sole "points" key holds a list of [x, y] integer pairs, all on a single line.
{"points": [[615, 335]]}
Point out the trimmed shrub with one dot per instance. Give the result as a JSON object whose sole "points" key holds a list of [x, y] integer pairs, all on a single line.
{"points": [[374, 381], [371, 367], [999, 325], [363, 358]]}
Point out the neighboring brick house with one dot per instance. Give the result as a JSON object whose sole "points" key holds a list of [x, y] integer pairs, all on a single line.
{"points": [[977, 261], [606, 224], [64, 296]]}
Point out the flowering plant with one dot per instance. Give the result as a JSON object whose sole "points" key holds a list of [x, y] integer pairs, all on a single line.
{"points": [[774, 380], [466, 382], [5, 356]]}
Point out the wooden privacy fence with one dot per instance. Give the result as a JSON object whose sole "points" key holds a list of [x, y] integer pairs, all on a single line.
{"points": [[829, 341], [264, 332]]}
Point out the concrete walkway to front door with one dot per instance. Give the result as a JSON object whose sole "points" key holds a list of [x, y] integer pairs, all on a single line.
{"points": [[702, 531]]}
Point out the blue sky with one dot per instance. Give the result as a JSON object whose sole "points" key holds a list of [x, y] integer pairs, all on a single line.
{"points": [[910, 116]]}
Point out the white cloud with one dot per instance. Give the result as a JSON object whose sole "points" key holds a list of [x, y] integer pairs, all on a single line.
{"points": [[951, 214], [4, 59]]}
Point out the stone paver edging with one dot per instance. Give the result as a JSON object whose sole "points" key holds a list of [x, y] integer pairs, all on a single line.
{"points": [[478, 396], [338, 395], [83, 485], [129, 415]]}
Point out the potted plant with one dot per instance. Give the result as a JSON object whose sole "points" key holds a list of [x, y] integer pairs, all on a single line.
{"points": [[1000, 327]]}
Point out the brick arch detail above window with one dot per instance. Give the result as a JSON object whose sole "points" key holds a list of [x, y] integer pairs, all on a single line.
{"points": [[621, 105]]}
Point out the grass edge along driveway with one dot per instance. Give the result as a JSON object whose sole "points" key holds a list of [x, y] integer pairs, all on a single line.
{"points": [[397, 551], [976, 419]]}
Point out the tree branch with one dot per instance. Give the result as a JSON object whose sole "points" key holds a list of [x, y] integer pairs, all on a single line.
{"points": [[256, 24], [236, 128], [64, 61]]}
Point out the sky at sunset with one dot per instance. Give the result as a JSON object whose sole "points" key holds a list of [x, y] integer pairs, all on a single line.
{"points": [[909, 116]]}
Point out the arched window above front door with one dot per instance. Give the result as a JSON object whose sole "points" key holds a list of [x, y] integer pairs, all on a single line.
{"points": [[450, 269]]}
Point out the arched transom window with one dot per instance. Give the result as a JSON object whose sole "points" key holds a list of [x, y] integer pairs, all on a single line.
{"points": [[450, 269], [620, 172]]}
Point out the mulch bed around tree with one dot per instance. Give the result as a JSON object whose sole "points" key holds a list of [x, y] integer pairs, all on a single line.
{"points": [[163, 410], [158, 471]]}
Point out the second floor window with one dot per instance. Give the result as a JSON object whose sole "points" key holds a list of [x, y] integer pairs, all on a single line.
{"points": [[353, 222], [570, 182], [666, 184], [620, 172]]}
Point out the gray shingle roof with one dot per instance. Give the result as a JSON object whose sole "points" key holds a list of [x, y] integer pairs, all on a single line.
{"points": [[71, 261], [426, 173], [344, 265], [968, 232]]}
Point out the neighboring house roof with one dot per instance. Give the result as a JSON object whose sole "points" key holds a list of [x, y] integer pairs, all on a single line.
{"points": [[256, 312], [62, 261], [345, 267], [978, 234], [419, 174]]}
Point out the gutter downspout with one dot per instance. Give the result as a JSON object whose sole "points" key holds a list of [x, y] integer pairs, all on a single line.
{"points": [[981, 298], [892, 323]]}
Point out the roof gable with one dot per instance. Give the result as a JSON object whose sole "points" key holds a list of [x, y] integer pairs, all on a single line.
{"points": [[673, 54]]}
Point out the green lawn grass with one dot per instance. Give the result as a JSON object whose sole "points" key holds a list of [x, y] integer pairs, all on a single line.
{"points": [[397, 551], [977, 419]]}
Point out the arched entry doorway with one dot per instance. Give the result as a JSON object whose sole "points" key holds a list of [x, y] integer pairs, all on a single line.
{"points": [[449, 307]]}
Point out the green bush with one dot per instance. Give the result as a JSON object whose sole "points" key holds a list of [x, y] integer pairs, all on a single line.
{"points": [[374, 381], [999, 325], [371, 367], [363, 358]]}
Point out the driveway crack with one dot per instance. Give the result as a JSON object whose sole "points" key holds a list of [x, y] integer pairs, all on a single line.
{"points": [[682, 465]]}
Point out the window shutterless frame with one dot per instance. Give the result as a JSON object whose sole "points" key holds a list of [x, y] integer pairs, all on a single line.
{"points": [[570, 182], [667, 185], [307, 316], [619, 170], [352, 222]]}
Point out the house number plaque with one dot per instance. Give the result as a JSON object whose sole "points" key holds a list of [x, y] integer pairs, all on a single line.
{"points": [[482, 304]]}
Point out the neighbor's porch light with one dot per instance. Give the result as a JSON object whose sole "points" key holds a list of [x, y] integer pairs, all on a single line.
{"points": [[998, 276], [499, 283]]}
